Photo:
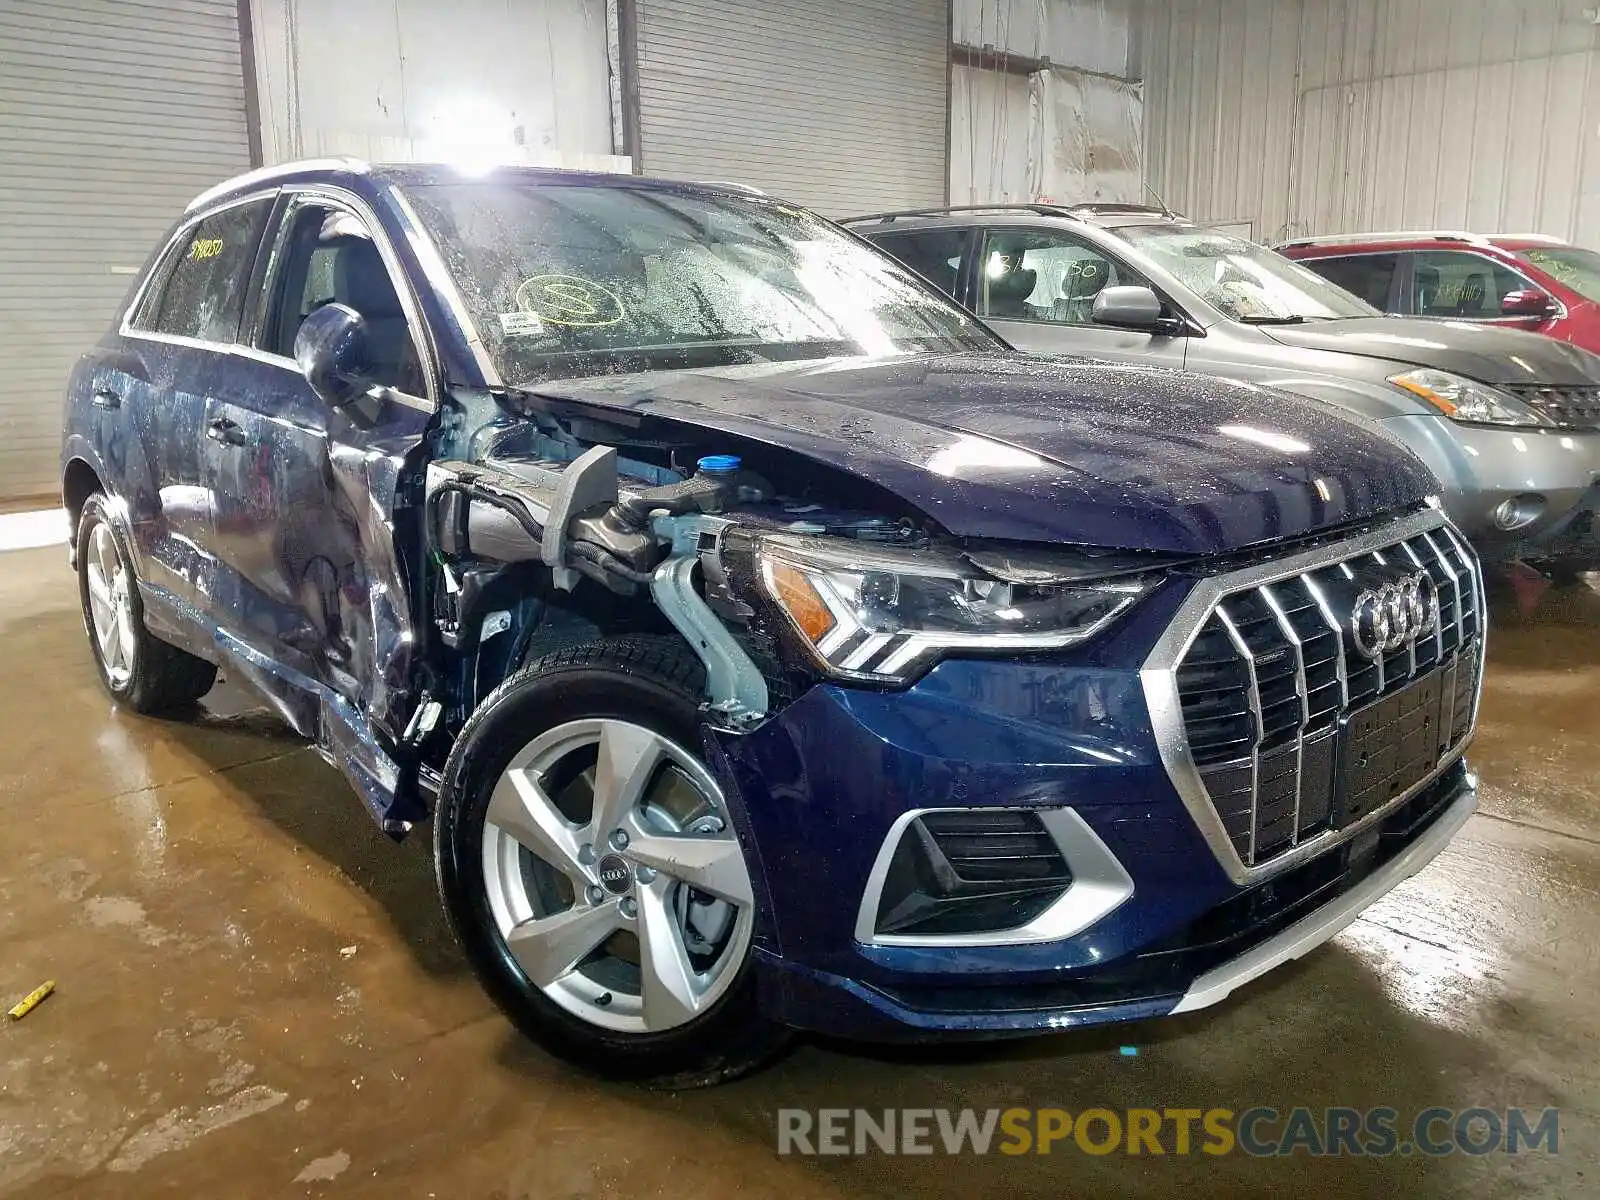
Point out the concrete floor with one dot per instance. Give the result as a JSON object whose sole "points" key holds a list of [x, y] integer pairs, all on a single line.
{"points": [[258, 996]]}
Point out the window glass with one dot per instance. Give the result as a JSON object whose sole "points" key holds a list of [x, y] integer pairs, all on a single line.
{"points": [[1454, 283], [200, 289], [327, 255], [1367, 275], [1574, 266], [579, 279], [1046, 275], [1242, 280], [935, 254]]}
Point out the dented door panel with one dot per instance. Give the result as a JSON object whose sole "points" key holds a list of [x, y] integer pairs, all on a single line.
{"points": [[311, 593]]}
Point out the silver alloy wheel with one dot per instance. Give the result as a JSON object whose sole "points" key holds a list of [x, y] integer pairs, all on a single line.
{"points": [[615, 876], [110, 605]]}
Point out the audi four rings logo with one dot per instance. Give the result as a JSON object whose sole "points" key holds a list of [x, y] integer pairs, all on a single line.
{"points": [[1387, 618]]}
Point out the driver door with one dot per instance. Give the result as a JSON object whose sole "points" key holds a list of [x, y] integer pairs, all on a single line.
{"points": [[1464, 286], [312, 595], [1036, 288]]}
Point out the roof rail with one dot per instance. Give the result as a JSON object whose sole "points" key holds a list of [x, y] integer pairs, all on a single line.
{"points": [[277, 171], [1120, 206], [1548, 239], [748, 189], [1046, 210], [1399, 235]]}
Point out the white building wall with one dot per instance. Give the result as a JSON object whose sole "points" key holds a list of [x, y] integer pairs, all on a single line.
{"points": [[990, 118], [1338, 116], [386, 79]]}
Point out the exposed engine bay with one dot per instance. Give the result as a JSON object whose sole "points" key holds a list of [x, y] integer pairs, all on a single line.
{"points": [[568, 524], [567, 521]]}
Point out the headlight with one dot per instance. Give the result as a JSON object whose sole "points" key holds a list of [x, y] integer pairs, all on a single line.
{"points": [[1465, 400], [885, 615]]}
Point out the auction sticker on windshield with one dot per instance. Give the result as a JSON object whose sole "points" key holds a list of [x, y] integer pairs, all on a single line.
{"points": [[521, 324]]}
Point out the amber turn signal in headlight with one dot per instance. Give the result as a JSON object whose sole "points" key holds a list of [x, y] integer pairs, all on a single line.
{"points": [[791, 588]]}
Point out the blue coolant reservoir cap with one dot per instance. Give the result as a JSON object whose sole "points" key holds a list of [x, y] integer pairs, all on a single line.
{"points": [[719, 464]]}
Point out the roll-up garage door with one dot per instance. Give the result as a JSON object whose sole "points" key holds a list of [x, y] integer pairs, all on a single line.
{"points": [[834, 104], [113, 115]]}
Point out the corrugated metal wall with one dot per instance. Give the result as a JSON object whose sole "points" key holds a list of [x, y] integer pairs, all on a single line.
{"points": [[840, 106], [112, 117], [1333, 116], [991, 119], [1091, 35]]}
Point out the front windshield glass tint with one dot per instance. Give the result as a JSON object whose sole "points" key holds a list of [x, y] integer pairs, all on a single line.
{"points": [[1577, 268], [583, 279], [1245, 281]]}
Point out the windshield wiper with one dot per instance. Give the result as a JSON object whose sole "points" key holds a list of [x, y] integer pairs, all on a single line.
{"points": [[1269, 319]]}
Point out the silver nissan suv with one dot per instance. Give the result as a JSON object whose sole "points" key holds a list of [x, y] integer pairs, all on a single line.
{"points": [[1508, 421]]}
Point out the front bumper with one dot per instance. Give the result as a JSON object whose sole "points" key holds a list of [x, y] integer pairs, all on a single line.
{"points": [[820, 786], [1354, 878], [1481, 468]]}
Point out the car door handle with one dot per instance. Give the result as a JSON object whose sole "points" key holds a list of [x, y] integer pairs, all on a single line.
{"points": [[105, 398], [225, 431]]}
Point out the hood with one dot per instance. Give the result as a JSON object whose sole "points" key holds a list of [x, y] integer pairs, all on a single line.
{"points": [[1058, 451], [1487, 353]]}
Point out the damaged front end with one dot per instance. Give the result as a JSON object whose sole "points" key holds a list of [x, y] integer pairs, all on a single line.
{"points": [[579, 521], [537, 544]]}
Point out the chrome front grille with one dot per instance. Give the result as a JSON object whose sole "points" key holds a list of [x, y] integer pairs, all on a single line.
{"points": [[1566, 407], [1288, 735]]}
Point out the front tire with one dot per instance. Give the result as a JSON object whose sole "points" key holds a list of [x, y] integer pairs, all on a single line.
{"points": [[590, 869], [136, 667]]}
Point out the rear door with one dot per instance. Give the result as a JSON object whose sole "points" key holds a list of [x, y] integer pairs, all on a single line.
{"points": [[938, 255], [150, 394], [1036, 286], [312, 599]]}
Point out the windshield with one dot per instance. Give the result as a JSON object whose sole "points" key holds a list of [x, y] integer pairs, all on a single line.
{"points": [[1578, 269], [1245, 281], [584, 279]]}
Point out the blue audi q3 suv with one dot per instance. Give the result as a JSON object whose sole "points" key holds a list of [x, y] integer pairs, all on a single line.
{"points": [[769, 645]]}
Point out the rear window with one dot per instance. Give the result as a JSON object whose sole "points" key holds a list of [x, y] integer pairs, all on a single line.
{"points": [[198, 289], [935, 254], [1369, 276]]}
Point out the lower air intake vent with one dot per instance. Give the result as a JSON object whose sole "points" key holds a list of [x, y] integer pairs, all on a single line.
{"points": [[971, 871]]}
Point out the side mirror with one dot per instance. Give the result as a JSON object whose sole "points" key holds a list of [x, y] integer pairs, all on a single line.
{"points": [[333, 353], [1127, 307], [1527, 302]]}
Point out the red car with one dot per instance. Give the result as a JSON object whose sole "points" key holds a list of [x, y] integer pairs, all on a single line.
{"points": [[1527, 281]]}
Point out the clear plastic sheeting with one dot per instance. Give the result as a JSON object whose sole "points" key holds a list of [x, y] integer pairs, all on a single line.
{"points": [[1085, 138], [1057, 135], [1043, 104]]}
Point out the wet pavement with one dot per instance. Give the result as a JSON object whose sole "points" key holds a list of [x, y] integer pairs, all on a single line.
{"points": [[257, 995]]}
